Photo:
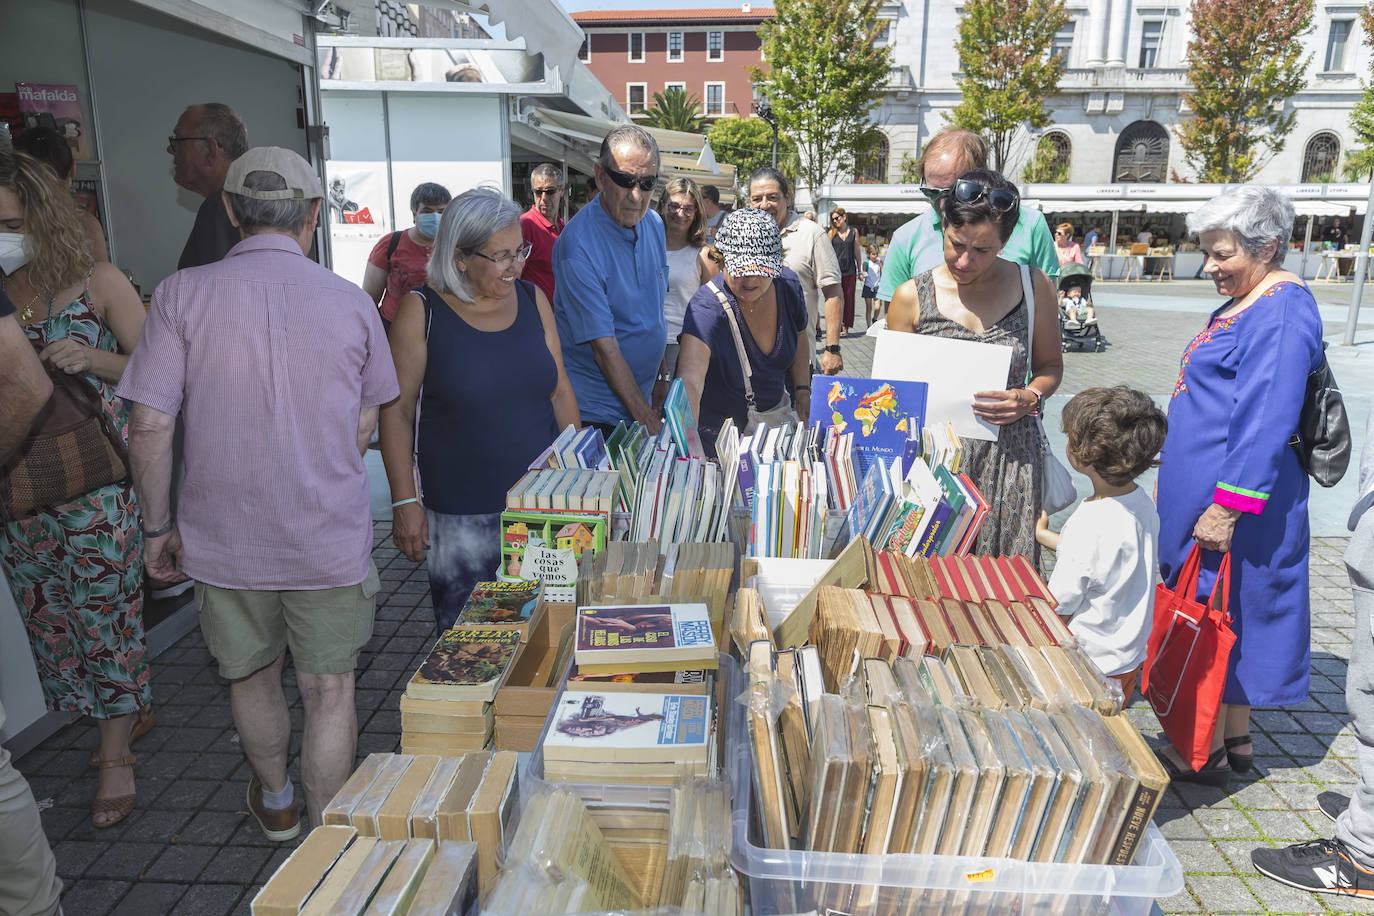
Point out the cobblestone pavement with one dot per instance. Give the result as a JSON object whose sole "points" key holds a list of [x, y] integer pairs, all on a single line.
{"points": [[190, 847]]}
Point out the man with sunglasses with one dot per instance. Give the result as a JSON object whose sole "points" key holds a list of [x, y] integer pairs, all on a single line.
{"points": [[541, 224], [205, 141], [918, 245], [610, 267]]}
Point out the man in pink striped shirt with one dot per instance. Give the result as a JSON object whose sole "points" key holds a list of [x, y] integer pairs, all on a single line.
{"points": [[278, 367]]}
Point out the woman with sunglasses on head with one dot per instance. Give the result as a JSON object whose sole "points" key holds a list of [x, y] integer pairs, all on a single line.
{"points": [[977, 295], [481, 345], [684, 223]]}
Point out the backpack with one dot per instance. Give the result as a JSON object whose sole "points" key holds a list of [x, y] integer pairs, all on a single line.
{"points": [[393, 244], [1323, 442]]}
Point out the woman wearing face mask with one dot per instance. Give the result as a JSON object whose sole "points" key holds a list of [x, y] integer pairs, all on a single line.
{"points": [[397, 264], [477, 353], [756, 306], [684, 223], [76, 569], [976, 295]]}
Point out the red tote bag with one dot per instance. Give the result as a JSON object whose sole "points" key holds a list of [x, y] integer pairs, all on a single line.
{"points": [[1185, 667]]}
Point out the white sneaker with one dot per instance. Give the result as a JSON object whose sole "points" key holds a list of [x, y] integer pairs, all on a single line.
{"points": [[1072, 325]]}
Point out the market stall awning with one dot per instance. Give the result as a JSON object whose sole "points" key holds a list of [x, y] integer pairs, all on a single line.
{"points": [[544, 24]]}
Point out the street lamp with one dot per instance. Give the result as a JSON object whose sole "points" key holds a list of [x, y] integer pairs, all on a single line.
{"points": [[765, 113]]}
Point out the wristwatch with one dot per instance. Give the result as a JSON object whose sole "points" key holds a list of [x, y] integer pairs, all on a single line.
{"points": [[832, 348], [1039, 401]]}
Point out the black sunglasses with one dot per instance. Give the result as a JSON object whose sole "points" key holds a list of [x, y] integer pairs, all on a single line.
{"points": [[968, 191], [646, 183]]}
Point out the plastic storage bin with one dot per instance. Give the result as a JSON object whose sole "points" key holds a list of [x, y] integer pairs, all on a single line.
{"points": [[793, 881]]}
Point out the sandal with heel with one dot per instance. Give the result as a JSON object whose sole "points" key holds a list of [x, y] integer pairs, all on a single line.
{"points": [[121, 806], [1240, 763], [1216, 772], [143, 723]]}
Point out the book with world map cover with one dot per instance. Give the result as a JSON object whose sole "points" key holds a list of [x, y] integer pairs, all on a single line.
{"points": [[882, 414]]}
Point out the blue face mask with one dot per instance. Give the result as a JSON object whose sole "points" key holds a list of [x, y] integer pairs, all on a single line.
{"points": [[428, 224]]}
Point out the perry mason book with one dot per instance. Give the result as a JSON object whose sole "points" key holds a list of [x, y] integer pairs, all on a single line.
{"points": [[466, 663], [629, 727], [645, 637]]}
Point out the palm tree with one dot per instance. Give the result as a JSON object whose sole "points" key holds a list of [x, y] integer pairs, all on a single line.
{"points": [[675, 110]]}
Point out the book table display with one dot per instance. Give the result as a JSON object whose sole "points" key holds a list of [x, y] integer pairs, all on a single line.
{"points": [[892, 733]]}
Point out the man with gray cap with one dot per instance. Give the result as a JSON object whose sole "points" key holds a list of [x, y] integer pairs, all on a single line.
{"points": [[278, 367]]}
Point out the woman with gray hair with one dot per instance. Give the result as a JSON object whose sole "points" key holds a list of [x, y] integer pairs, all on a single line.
{"points": [[477, 352], [1229, 481]]}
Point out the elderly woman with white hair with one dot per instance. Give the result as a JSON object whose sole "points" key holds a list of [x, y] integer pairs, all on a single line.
{"points": [[477, 352], [1229, 481]]}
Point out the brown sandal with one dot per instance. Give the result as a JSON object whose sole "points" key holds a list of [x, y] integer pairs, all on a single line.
{"points": [[142, 725], [121, 806]]}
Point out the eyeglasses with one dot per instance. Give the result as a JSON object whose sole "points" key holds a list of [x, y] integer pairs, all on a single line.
{"points": [[519, 254], [968, 191], [172, 141], [934, 194], [684, 209], [542, 192], [646, 183]]}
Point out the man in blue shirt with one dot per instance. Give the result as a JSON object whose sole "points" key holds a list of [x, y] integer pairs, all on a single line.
{"points": [[918, 245], [610, 269]]}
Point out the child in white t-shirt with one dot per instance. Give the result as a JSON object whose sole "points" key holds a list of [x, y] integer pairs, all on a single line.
{"points": [[1107, 554], [1078, 311]]}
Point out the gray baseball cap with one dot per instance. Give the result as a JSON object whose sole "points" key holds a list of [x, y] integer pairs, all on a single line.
{"points": [[302, 181]]}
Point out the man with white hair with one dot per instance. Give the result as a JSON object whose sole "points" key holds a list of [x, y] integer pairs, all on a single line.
{"points": [[278, 367], [611, 276]]}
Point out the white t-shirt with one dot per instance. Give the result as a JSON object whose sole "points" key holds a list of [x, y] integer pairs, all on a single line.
{"points": [[684, 279], [1104, 577]]}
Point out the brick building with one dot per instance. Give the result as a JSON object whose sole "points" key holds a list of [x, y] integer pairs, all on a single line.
{"points": [[707, 52]]}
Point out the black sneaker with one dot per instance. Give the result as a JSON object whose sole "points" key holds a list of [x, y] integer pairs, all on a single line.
{"points": [[1332, 803], [1323, 866]]}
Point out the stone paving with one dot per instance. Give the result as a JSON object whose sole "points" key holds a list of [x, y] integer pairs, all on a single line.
{"points": [[190, 847]]}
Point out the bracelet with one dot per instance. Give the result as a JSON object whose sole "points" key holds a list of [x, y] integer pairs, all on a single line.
{"points": [[1039, 401], [405, 502], [832, 348], [159, 532], [801, 387]]}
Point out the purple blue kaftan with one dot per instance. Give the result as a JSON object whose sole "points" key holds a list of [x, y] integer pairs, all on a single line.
{"points": [[1236, 404]]}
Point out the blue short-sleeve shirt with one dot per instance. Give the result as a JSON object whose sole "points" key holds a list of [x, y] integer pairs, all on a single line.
{"points": [[722, 393], [610, 281]]}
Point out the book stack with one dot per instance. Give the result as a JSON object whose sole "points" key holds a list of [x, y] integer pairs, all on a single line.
{"points": [[337, 870], [575, 448], [629, 737], [926, 510], [631, 570], [698, 877], [559, 861], [564, 490], [936, 770], [445, 799], [446, 708]]}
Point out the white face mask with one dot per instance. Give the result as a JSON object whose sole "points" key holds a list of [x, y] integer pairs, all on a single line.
{"points": [[13, 254]]}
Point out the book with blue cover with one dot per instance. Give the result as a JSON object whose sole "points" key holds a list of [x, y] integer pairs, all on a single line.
{"points": [[683, 423], [881, 413], [624, 726]]}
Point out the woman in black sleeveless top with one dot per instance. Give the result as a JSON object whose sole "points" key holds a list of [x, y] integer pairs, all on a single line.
{"points": [[845, 240], [477, 351]]}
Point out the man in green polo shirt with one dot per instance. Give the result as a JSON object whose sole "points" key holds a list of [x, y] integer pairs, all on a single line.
{"points": [[918, 245]]}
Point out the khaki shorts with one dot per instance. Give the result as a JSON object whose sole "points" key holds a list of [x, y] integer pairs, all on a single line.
{"points": [[325, 628]]}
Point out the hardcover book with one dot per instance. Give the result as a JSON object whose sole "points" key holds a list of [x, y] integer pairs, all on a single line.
{"points": [[466, 663]]}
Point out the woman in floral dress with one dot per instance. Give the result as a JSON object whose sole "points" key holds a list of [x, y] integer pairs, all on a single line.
{"points": [[76, 569]]}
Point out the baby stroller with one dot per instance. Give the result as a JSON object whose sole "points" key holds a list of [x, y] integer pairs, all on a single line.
{"points": [[1079, 331]]}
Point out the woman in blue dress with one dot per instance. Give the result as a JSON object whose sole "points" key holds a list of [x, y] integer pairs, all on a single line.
{"points": [[1228, 477]]}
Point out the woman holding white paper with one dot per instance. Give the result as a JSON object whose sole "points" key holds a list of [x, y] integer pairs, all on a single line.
{"points": [[978, 296]]}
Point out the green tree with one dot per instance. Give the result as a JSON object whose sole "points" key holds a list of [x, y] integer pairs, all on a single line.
{"points": [[825, 76], [1359, 163], [1007, 69], [1045, 166], [1245, 60], [747, 144], [909, 170], [675, 109]]}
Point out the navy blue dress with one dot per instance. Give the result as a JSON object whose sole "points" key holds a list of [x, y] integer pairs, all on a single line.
{"points": [[1236, 404]]}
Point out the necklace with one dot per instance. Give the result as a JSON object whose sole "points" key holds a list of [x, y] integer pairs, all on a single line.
{"points": [[26, 313]]}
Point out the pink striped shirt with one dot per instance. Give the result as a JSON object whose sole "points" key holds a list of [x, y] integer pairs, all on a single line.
{"points": [[270, 358]]}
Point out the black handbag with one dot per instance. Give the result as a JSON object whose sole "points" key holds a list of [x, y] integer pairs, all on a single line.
{"points": [[1323, 442]]}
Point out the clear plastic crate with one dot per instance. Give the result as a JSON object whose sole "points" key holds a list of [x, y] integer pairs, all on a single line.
{"points": [[796, 881]]}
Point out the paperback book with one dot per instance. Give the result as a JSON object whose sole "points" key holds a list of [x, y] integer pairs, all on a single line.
{"points": [[629, 728], [647, 637], [466, 663]]}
